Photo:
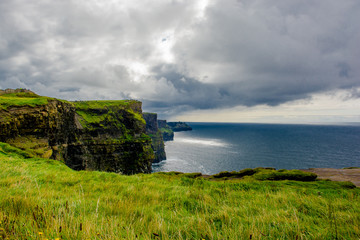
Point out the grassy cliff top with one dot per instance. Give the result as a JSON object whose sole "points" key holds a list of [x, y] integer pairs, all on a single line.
{"points": [[96, 112], [27, 98], [86, 109], [42, 198], [99, 104], [22, 97]]}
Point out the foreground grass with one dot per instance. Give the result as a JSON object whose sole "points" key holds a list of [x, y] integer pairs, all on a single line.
{"points": [[43, 199]]}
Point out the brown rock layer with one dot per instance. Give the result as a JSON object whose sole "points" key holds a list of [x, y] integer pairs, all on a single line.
{"points": [[93, 135]]}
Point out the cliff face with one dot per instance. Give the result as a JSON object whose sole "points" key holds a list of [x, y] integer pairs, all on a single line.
{"points": [[167, 132], [94, 135], [40, 125], [157, 138], [110, 137]]}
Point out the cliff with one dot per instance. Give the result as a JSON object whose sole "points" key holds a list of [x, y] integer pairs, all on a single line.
{"points": [[152, 129], [92, 135], [179, 126], [167, 132], [110, 137], [40, 125]]}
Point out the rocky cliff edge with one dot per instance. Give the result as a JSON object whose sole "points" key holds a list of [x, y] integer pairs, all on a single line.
{"points": [[91, 135], [153, 130]]}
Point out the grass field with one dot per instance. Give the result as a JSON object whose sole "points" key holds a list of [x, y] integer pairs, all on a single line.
{"points": [[44, 199]]}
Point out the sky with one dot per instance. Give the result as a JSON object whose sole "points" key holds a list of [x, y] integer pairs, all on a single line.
{"points": [[275, 61]]}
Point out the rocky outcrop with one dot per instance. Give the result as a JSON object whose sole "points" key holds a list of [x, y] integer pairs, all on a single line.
{"points": [[40, 125], [167, 132], [152, 129], [22, 91], [179, 126], [111, 136], [92, 135]]}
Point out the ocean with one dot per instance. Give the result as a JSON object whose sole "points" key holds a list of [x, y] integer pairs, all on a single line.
{"points": [[214, 147]]}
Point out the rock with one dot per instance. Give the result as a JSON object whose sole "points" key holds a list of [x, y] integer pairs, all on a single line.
{"points": [[86, 135], [167, 132], [152, 129]]}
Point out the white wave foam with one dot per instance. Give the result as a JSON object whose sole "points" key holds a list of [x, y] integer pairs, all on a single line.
{"points": [[176, 160], [171, 160], [213, 142]]}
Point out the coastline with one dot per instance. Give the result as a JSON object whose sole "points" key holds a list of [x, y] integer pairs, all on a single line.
{"points": [[351, 174], [339, 175]]}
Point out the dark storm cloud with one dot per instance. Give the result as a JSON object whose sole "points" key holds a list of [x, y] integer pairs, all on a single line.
{"points": [[244, 52], [194, 94], [270, 52], [191, 91]]}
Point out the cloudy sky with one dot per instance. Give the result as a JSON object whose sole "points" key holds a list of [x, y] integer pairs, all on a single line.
{"points": [[205, 60]]}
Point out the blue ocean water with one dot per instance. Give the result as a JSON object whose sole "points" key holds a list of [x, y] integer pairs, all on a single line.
{"points": [[214, 147]]}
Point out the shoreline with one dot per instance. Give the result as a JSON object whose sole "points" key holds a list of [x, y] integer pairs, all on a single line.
{"points": [[351, 174], [335, 174]]}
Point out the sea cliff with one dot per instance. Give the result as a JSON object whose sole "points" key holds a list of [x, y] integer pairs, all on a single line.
{"points": [[91, 135], [167, 132], [152, 129]]}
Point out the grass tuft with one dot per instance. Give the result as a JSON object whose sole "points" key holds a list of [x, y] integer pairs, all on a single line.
{"points": [[295, 175]]}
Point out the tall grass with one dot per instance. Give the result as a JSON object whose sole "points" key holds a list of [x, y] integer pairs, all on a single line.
{"points": [[44, 199]]}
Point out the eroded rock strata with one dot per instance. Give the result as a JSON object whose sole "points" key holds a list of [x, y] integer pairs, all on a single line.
{"points": [[167, 132], [92, 135], [152, 129]]}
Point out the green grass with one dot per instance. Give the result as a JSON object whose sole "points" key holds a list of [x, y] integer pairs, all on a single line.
{"points": [[296, 175], [267, 174], [89, 117], [167, 130], [22, 99], [98, 104], [100, 112], [10, 151], [44, 196], [35, 147]]}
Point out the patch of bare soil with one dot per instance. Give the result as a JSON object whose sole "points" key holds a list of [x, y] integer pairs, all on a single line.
{"points": [[352, 175]]}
